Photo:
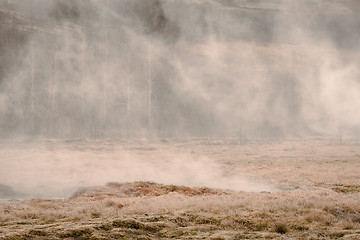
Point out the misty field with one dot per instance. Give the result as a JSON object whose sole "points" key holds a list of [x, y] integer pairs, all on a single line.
{"points": [[180, 189], [179, 119]]}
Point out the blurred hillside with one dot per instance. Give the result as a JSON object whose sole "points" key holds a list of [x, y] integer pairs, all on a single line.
{"points": [[248, 69]]}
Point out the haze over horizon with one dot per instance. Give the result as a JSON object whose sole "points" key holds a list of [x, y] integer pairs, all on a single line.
{"points": [[210, 68]]}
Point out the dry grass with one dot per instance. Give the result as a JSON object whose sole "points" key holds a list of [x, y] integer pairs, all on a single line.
{"points": [[318, 197], [177, 214]]}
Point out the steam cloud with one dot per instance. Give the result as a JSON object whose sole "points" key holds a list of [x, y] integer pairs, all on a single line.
{"points": [[179, 68]]}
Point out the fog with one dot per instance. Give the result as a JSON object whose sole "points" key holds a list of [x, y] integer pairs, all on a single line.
{"points": [[254, 69], [128, 69], [58, 169]]}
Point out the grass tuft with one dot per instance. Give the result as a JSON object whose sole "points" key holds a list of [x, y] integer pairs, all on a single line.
{"points": [[77, 233], [281, 228]]}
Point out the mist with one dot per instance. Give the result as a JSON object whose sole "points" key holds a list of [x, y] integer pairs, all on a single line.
{"points": [[91, 69], [251, 70]]}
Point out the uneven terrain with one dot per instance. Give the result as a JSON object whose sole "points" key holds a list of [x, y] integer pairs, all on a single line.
{"points": [[293, 189]]}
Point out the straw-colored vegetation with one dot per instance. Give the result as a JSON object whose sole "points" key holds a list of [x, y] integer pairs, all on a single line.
{"points": [[316, 196]]}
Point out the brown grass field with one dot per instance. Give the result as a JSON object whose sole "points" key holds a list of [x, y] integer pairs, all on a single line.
{"points": [[180, 189]]}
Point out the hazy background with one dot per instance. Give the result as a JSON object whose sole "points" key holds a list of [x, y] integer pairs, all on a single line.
{"points": [[93, 71], [220, 68]]}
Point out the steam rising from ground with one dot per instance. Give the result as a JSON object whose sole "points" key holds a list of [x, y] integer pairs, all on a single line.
{"points": [[249, 69], [148, 68], [57, 169]]}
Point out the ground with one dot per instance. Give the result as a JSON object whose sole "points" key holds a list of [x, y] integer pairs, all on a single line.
{"points": [[180, 189]]}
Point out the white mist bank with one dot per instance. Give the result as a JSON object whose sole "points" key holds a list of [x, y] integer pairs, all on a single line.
{"points": [[217, 68], [53, 171]]}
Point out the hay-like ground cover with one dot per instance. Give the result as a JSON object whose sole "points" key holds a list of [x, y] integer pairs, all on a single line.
{"points": [[317, 196]]}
